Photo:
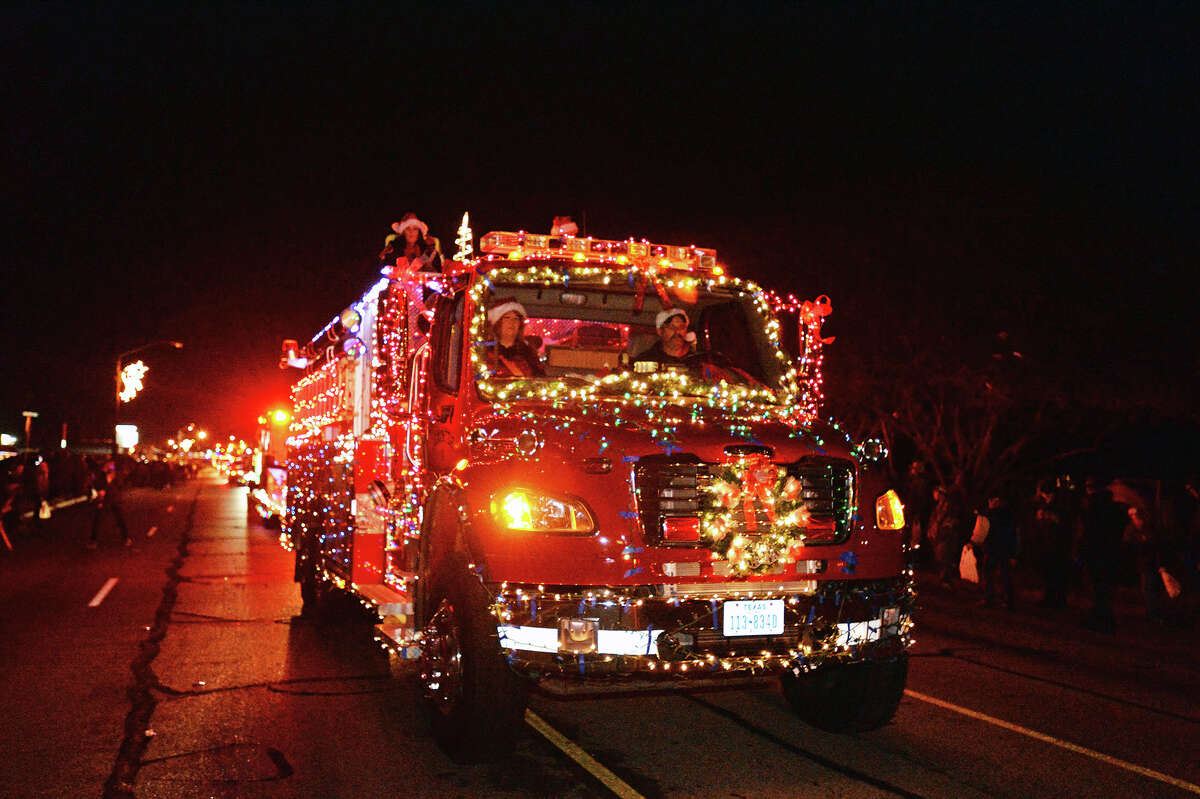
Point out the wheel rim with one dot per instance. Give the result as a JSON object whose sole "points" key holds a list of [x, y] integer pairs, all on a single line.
{"points": [[441, 656]]}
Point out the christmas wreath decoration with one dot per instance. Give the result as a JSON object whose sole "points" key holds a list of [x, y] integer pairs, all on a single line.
{"points": [[754, 515]]}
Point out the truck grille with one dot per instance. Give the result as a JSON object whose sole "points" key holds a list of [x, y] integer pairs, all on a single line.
{"points": [[676, 486]]}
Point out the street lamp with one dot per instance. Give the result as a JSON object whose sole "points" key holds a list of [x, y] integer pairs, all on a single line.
{"points": [[117, 405]]}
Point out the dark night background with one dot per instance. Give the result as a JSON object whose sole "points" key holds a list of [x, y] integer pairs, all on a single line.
{"points": [[225, 176]]}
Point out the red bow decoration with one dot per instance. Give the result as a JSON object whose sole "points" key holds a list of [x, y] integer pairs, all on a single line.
{"points": [[758, 479]]}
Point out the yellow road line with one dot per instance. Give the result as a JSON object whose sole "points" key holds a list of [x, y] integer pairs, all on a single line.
{"points": [[611, 781], [1050, 739]]}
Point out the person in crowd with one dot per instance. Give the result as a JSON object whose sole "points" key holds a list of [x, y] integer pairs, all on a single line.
{"points": [[944, 524], [1101, 524], [918, 502], [995, 537], [111, 496], [9, 491], [674, 343], [411, 248], [1155, 562], [508, 353], [1050, 534], [1190, 546]]}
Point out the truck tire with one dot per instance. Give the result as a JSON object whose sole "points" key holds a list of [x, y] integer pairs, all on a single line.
{"points": [[474, 701], [854, 697]]}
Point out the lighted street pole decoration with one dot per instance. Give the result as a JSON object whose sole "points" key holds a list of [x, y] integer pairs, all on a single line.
{"points": [[129, 382]]}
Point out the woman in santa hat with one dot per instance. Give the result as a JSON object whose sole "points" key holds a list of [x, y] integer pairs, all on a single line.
{"points": [[508, 354], [411, 247]]}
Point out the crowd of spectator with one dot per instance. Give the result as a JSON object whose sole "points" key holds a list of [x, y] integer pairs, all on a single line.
{"points": [[34, 482], [1064, 536]]}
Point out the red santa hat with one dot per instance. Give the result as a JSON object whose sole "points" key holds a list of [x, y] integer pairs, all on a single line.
{"points": [[503, 306], [664, 316], [410, 220], [563, 226]]}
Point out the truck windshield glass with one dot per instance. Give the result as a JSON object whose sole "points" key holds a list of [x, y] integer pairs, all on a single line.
{"points": [[595, 333]]}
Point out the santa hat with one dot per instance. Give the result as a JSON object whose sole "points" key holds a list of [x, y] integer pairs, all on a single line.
{"points": [[665, 316], [563, 226], [410, 220], [503, 306]]}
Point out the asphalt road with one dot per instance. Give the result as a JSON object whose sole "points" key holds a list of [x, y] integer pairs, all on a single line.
{"points": [[193, 676]]}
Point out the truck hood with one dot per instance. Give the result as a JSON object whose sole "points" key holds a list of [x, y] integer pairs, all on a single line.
{"points": [[611, 429]]}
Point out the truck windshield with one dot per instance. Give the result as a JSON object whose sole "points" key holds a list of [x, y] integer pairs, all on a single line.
{"points": [[607, 337]]}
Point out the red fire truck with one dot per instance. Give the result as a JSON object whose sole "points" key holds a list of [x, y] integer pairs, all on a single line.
{"points": [[609, 521], [266, 479]]}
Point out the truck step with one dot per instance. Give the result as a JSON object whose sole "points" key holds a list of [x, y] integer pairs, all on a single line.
{"points": [[397, 639], [386, 601]]}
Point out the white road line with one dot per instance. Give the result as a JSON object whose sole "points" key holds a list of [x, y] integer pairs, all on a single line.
{"points": [[103, 592], [609, 780], [1050, 739], [150, 533]]}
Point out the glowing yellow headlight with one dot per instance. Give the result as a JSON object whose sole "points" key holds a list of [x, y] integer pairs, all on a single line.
{"points": [[889, 511], [517, 512], [521, 509]]}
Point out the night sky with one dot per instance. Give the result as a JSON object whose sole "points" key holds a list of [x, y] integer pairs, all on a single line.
{"points": [[225, 176]]}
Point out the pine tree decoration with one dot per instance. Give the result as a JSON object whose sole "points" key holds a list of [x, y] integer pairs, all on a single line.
{"points": [[465, 247]]}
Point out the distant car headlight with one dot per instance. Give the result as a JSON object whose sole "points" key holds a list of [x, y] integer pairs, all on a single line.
{"points": [[523, 510], [889, 511]]}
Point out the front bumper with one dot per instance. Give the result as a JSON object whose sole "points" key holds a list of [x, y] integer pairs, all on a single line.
{"points": [[569, 634]]}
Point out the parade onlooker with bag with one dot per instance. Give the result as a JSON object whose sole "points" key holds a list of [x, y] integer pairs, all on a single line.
{"points": [[995, 537], [1155, 561]]}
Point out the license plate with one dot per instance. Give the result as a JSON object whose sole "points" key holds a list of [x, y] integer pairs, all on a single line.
{"points": [[753, 617]]}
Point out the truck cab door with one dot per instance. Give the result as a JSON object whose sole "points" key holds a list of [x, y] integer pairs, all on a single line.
{"points": [[444, 378]]}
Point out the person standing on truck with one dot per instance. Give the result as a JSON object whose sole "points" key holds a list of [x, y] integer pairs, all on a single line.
{"points": [[411, 247], [674, 343], [508, 354]]}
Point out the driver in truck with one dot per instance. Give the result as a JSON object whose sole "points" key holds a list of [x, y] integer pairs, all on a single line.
{"points": [[674, 341]]}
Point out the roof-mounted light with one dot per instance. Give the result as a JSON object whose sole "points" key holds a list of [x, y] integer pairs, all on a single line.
{"points": [[521, 245]]}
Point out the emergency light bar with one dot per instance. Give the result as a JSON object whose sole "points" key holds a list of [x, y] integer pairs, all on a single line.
{"points": [[665, 256]]}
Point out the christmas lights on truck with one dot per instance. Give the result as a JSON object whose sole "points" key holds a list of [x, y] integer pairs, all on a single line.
{"points": [[589, 466]]}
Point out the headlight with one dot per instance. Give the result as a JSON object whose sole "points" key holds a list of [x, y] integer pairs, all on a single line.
{"points": [[889, 511], [521, 509]]}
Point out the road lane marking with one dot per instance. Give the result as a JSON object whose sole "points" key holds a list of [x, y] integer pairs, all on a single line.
{"points": [[103, 592], [150, 533], [609, 780], [1050, 739]]}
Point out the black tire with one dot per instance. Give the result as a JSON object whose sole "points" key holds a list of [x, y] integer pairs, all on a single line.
{"points": [[474, 701], [855, 697]]}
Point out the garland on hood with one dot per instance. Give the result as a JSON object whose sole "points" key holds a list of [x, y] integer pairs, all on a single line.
{"points": [[754, 516]]}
